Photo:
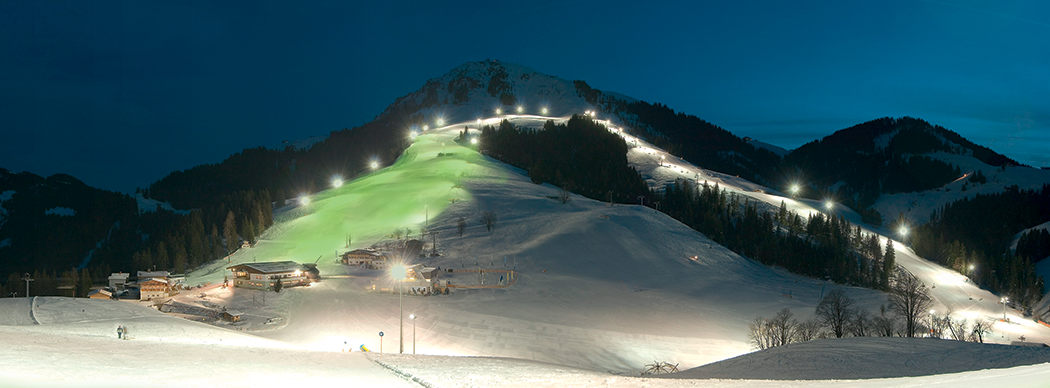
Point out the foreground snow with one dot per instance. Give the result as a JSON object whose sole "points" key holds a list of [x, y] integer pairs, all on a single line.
{"points": [[74, 344]]}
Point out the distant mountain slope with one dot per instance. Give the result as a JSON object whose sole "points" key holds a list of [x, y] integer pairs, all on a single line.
{"points": [[59, 223], [860, 164]]}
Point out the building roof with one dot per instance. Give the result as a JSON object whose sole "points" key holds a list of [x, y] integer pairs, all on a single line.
{"points": [[268, 267], [365, 251], [103, 292], [153, 274], [158, 280], [119, 276]]}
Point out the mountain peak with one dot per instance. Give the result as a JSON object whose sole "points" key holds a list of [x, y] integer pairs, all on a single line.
{"points": [[476, 90]]}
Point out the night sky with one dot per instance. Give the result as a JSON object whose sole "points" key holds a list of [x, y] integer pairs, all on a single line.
{"points": [[119, 94]]}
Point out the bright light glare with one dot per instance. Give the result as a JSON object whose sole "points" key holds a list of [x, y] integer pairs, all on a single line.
{"points": [[474, 141], [520, 109], [794, 189], [426, 127], [499, 111], [399, 272], [304, 200], [413, 134], [544, 110], [828, 204], [441, 122], [337, 182], [903, 231], [411, 316], [375, 165], [479, 121]]}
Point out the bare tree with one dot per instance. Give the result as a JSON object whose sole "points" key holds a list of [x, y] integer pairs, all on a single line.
{"points": [[488, 218], [461, 225], [809, 330], [860, 325], [980, 329], [909, 298], [782, 327], [759, 335], [835, 311], [564, 196], [885, 324]]}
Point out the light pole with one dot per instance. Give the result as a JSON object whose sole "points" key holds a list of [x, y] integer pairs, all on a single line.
{"points": [[27, 279], [374, 166], [399, 273], [413, 318], [1004, 300]]}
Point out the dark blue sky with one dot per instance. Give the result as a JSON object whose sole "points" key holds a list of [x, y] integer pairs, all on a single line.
{"points": [[119, 94]]}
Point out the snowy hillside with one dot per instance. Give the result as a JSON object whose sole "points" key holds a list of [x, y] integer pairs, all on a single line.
{"points": [[600, 261], [598, 290], [601, 288], [918, 206]]}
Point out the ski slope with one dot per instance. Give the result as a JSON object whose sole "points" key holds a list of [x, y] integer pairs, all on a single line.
{"points": [[602, 291]]}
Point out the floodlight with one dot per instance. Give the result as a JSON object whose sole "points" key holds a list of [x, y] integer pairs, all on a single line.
{"points": [[474, 141], [520, 109], [399, 272], [337, 182], [304, 200]]}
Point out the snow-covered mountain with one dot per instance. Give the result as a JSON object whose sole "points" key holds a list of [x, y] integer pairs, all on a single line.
{"points": [[906, 166], [599, 290], [477, 90]]}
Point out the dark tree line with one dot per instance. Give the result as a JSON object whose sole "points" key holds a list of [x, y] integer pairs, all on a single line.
{"points": [[286, 173], [968, 232], [230, 201], [688, 136], [582, 156], [819, 246]]}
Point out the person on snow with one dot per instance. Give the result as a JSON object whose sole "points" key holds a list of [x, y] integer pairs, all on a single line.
{"points": [[120, 332]]}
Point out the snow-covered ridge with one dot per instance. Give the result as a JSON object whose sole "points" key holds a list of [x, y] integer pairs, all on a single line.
{"points": [[475, 90]]}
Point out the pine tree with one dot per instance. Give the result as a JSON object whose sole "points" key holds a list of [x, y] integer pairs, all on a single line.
{"points": [[84, 287], [229, 232], [160, 258], [888, 264], [215, 243], [178, 256]]}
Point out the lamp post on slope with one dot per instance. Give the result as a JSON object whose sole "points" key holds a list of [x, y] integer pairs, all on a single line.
{"points": [[399, 273]]}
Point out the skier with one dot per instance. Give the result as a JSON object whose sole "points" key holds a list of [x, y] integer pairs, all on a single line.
{"points": [[120, 332]]}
